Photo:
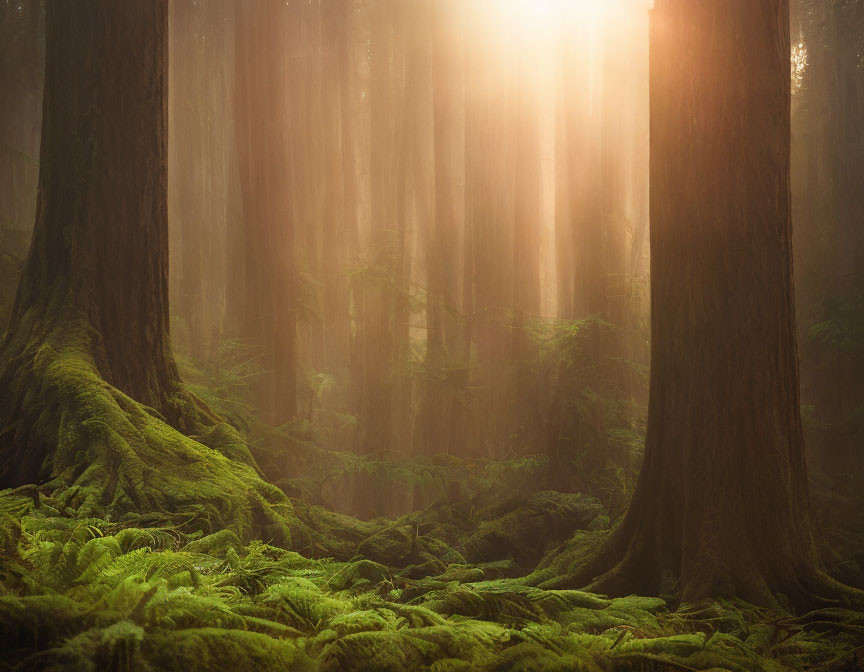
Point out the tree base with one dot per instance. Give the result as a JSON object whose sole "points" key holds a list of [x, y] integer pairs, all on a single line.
{"points": [[103, 455], [605, 563]]}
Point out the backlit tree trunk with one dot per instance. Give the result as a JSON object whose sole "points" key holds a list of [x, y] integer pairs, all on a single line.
{"points": [[265, 175], [721, 506]]}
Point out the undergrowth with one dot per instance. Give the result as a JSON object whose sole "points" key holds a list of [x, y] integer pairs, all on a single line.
{"points": [[95, 594], [150, 550]]}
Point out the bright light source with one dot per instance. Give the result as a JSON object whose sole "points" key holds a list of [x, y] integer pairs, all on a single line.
{"points": [[546, 13]]}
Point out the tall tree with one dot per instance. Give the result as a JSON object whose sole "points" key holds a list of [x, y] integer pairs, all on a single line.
{"points": [[98, 171], [442, 232], [828, 205], [22, 51], [378, 331], [262, 131], [87, 371], [188, 163], [721, 505], [488, 284]]}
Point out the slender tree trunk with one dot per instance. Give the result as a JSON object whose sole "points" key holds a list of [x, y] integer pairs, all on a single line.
{"points": [[489, 217], [584, 140], [188, 165], [528, 192], [265, 174], [613, 115], [564, 182], [22, 62], [444, 423]]}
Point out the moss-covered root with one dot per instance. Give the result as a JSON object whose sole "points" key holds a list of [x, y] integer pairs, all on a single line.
{"points": [[602, 562], [102, 454]]}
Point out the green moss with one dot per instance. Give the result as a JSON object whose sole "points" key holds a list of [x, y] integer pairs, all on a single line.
{"points": [[94, 595], [113, 457], [151, 550]]}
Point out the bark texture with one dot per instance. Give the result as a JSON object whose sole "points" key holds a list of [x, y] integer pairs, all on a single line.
{"points": [[99, 248], [721, 506], [88, 377]]}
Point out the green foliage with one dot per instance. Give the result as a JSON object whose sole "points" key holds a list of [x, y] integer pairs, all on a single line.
{"points": [[96, 594], [839, 322], [224, 381], [152, 550], [108, 457], [592, 424]]}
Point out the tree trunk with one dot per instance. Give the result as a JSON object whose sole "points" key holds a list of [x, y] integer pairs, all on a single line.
{"points": [[187, 165], [98, 170], [87, 370], [440, 428], [489, 218], [721, 506], [265, 176]]}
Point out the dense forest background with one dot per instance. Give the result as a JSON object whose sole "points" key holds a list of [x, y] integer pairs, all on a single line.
{"points": [[458, 264], [409, 265]]}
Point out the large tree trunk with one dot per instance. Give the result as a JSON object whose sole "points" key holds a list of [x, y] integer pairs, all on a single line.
{"points": [[88, 377], [99, 249], [721, 506]]}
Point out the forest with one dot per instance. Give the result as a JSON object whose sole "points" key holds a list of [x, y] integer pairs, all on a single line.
{"points": [[449, 335]]}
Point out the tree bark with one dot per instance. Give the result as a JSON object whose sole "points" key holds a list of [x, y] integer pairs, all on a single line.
{"points": [[96, 279], [721, 505], [99, 249], [87, 370]]}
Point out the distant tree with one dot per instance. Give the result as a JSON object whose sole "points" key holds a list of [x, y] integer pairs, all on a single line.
{"points": [[828, 207], [263, 153], [22, 52]]}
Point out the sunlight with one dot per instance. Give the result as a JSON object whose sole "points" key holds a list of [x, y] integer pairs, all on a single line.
{"points": [[536, 14]]}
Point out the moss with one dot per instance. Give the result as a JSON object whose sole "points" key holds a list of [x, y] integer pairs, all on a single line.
{"points": [[109, 456], [526, 530], [151, 550], [363, 574], [208, 649], [92, 595]]}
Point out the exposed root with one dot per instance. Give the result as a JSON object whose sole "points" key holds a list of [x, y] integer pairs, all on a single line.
{"points": [[102, 454]]}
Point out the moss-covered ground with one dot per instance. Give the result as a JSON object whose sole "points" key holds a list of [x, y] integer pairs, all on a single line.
{"points": [[84, 593], [151, 550]]}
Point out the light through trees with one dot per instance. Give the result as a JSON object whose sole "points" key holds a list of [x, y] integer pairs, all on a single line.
{"points": [[450, 188]]}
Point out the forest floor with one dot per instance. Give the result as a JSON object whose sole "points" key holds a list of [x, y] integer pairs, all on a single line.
{"points": [[389, 594], [152, 551]]}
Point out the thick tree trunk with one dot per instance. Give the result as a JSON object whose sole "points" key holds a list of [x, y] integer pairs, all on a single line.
{"points": [[721, 506], [99, 249], [88, 377]]}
